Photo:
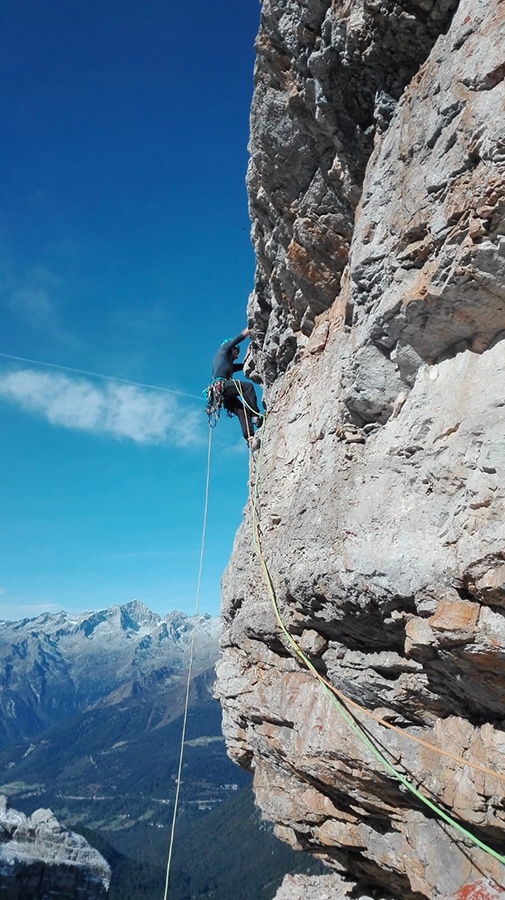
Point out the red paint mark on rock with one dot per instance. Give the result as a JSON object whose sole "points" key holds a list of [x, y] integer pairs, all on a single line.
{"points": [[481, 890]]}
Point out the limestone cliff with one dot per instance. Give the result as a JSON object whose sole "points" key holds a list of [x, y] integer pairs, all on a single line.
{"points": [[377, 196], [40, 859]]}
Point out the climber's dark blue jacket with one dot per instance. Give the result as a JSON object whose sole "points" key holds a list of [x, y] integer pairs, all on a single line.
{"points": [[223, 365]]}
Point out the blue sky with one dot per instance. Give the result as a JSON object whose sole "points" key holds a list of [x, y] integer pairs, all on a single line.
{"points": [[125, 252]]}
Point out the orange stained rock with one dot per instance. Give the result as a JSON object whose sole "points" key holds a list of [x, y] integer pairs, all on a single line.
{"points": [[455, 615]]}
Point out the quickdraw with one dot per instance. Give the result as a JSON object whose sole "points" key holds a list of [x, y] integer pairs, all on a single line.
{"points": [[214, 397]]}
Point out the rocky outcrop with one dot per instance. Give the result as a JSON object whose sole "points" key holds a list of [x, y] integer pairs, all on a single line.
{"points": [[377, 186], [40, 859], [327, 76]]}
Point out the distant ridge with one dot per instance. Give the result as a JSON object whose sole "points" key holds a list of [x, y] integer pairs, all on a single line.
{"points": [[56, 665], [96, 702]]}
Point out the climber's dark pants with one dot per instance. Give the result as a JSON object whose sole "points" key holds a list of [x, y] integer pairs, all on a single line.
{"points": [[232, 402]]}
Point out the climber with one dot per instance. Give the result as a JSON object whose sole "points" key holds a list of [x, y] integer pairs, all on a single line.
{"points": [[239, 397]]}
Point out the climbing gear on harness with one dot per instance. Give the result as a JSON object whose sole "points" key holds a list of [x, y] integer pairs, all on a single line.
{"points": [[214, 397], [213, 394]]}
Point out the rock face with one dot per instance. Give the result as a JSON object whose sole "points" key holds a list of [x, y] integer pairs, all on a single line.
{"points": [[377, 186], [327, 75], [39, 859]]}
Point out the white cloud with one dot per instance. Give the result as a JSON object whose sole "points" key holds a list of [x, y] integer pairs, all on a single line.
{"points": [[120, 411]]}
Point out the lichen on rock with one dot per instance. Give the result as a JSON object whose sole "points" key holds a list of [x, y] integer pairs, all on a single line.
{"points": [[377, 193]]}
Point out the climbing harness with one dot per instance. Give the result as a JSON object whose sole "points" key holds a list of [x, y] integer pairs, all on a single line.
{"points": [[190, 669], [214, 402], [341, 702]]}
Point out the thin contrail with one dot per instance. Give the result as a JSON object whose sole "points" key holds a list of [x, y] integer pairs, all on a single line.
{"points": [[152, 387]]}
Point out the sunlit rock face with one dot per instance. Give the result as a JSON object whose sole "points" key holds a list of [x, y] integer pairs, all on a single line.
{"points": [[377, 186], [39, 859], [328, 77]]}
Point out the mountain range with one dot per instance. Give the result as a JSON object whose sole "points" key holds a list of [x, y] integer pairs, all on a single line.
{"points": [[90, 723], [55, 666]]}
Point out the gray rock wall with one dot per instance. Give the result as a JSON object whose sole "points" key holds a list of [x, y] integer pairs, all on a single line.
{"points": [[40, 860], [380, 485], [327, 76]]}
